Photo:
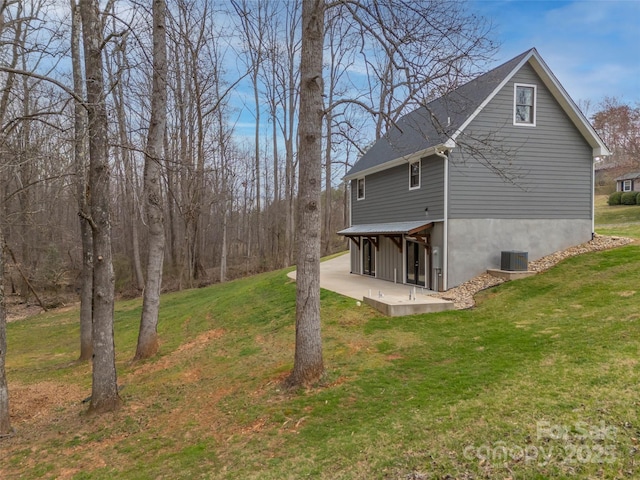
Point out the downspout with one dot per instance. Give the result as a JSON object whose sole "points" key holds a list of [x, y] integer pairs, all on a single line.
{"points": [[593, 198], [350, 241], [445, 234], [350, 191]]}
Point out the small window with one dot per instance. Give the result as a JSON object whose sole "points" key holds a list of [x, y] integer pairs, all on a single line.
{"points": [[361, 189], [626, 186], [414, 175], [524, 109]]}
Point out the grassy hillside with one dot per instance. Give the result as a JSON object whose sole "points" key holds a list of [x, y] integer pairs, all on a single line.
{"points": [[540, 380]]}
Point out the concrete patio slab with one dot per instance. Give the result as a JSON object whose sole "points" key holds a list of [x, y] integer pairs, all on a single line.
{"points": [[392, 299]]}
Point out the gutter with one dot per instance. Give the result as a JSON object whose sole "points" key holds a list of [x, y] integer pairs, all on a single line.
{"points": [[390, 164]]}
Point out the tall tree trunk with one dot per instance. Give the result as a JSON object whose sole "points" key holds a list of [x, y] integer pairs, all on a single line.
{"points": [[25, 197], [171, 187], [86, 275], [326, 228], [223, 248], [196, 268], [256, 94], [130, 182], [131, 220], [289, 201], [308, 364], [290, 166], [104, 393], [277, 210], [148, 336], [5, 424]]}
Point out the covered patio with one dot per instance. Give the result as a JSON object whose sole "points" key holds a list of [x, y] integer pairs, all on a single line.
{"points": [[392, 299]]}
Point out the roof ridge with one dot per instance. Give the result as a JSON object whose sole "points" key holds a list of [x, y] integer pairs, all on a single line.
{"points": [[443, 119], [519, 58]]}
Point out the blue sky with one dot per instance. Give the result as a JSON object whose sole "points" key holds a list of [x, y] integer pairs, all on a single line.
{"points": [[592, 46]]}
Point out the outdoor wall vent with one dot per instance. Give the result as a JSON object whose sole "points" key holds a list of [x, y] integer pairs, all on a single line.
{"points": [[514, 261]]}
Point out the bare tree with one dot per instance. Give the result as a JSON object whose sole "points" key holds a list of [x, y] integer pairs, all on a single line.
{"points": [[341, 45], [308, 363], [252, 21], [196, 68], [80, 151], [618, 124], [148, 336], [5, 423], [427, 48], [281, 79], [118, 71], [416, 51], [104, 392], [212, 187]]}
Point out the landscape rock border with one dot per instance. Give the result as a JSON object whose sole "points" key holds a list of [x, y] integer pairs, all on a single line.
{"points": [[462, 296]]}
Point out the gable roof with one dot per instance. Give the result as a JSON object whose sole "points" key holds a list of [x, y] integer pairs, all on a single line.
{"points": [[628, 176], [436, 126]]}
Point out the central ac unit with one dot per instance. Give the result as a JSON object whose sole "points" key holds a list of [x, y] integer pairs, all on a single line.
{"points": [[514, 261]]}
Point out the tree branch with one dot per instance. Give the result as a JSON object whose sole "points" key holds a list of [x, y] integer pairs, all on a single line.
{"points": [[53, 81]]}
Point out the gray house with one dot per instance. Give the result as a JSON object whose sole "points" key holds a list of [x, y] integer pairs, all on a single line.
{"points": [[502, 163], [629, 182]]}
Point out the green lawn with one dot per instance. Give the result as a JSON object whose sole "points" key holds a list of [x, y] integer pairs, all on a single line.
{"points": [[540, 380], [623, 220]]}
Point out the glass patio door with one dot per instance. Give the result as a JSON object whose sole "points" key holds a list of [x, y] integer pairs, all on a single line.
{"points": [[368, 257], [415, 257]]}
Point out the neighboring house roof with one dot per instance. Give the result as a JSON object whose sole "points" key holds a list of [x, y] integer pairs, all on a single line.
{"points": [[436, 126], [393, 228], [628, 176]]}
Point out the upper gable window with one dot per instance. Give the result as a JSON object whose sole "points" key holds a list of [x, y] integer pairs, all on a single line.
{"points": [[524, 108], [414, 175], [360, 189]]}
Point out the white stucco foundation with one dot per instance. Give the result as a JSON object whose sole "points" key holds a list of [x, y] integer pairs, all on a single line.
{"points": [[475, 245]]}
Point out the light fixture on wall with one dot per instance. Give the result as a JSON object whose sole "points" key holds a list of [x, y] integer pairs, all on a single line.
{"points": [[426, 211]]}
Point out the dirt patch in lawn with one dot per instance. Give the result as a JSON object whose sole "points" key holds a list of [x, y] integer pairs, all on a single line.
{"points": [[184, 350], [41, 403]]}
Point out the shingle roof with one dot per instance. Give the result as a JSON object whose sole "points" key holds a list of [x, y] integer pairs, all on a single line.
{"points": [[628, 176], [442, 119], [433, 124]]}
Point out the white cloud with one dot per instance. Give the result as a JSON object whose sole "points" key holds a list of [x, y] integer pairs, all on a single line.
{"points": [[593, 47]]}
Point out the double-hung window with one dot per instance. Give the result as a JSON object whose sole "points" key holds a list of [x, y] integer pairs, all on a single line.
{"points": [[414, 175], [360, 189], [626, 186], [524, 105]]}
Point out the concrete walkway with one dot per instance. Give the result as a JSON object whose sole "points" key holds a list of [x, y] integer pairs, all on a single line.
{"points": [[390, 298]]}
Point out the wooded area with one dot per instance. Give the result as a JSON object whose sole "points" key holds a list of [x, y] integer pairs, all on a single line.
{"points": [[119, 129], [228, 198], [147, 147]]}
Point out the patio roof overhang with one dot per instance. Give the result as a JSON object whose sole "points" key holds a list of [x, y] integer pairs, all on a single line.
{"points": [[393, 230]]}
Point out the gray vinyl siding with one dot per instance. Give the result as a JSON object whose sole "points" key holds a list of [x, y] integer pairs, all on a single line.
{"points": [[388, 198], [552, 173]]}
